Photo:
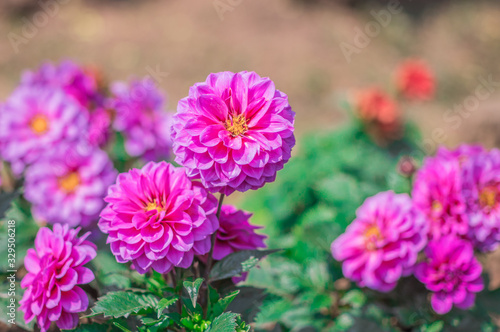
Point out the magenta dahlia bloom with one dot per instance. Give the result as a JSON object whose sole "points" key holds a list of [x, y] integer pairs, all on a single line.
{"points": [[68, 185], [35, 120], [233, 131], [157, 218], [437, 192], [481, 188], [55, 268], [463, 153], [140, 115], [451, 272], [73, 79], [236, 233], [381, 245]]}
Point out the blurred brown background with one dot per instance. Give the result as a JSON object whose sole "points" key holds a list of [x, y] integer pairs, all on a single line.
{"points": [[296, 43]]}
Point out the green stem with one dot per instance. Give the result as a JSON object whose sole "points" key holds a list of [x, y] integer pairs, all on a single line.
{"points": [[214, 236]]}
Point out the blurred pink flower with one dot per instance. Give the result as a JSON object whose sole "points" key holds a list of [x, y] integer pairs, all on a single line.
{"points": [[157, 218], [73, 79], [381, 245], [235, 233], [55, 268], [415, 80], [451, 272], [437, 192], [141, 116], [234, 131], [34, 121], [68, 184], [481, 188]]}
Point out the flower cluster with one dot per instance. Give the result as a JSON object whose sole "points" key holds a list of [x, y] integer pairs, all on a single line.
{"points": [[55, 269], [459, 191], [456, 195], [381, 113], [234, 132], [381, 245]]}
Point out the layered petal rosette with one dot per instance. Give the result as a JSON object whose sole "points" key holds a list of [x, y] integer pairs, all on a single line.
{"points": [[236, 233], [157, 218], [451, 272], [141, 117], [234, 131], [437, 192], [415, 80], [381, 245], [76, 81], [68, 184], [35, 120], [481, 188], [55, 269]]}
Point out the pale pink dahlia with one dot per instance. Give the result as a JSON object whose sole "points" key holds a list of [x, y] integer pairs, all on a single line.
{"points": [[35, 120], [157, 218], [235, 233], [141, 117], [68, 184], [437, 192], [381, 245], [233, 131], [481, 188], [451, 272], [76, 81], [55, 268]]}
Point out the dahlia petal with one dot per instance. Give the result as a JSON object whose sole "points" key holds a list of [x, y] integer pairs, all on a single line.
{"points": [[441, 303], [67, 321]]}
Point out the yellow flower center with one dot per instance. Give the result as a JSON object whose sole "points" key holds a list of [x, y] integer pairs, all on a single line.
{"points": [[437, 206], [488, 197], [153, 206], [236, 125], [69, 182], [39, 124], [372, 234]]}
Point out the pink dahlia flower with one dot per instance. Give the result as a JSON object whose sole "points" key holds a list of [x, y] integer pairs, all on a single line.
{"points": [[55, 268], [381, 245], [462, 153], [99, 128], [68, 185], [236, 233], [481, 187], [233, 131], [140, 115], [157, 218], [437, 192], [451, 272], [34, 120], [73, 79]]}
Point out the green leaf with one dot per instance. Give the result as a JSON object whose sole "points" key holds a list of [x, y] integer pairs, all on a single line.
{"points": [[221, 305], [192, 288], [123, 304], [121, 327], [434, 327], [6, 200], [165, 303], [111, 273], [355, 298], [237, 263], [224, 323]]}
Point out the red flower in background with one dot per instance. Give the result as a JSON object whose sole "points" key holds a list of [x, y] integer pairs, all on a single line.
{"points": [[376, 107], [415, 80]]}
